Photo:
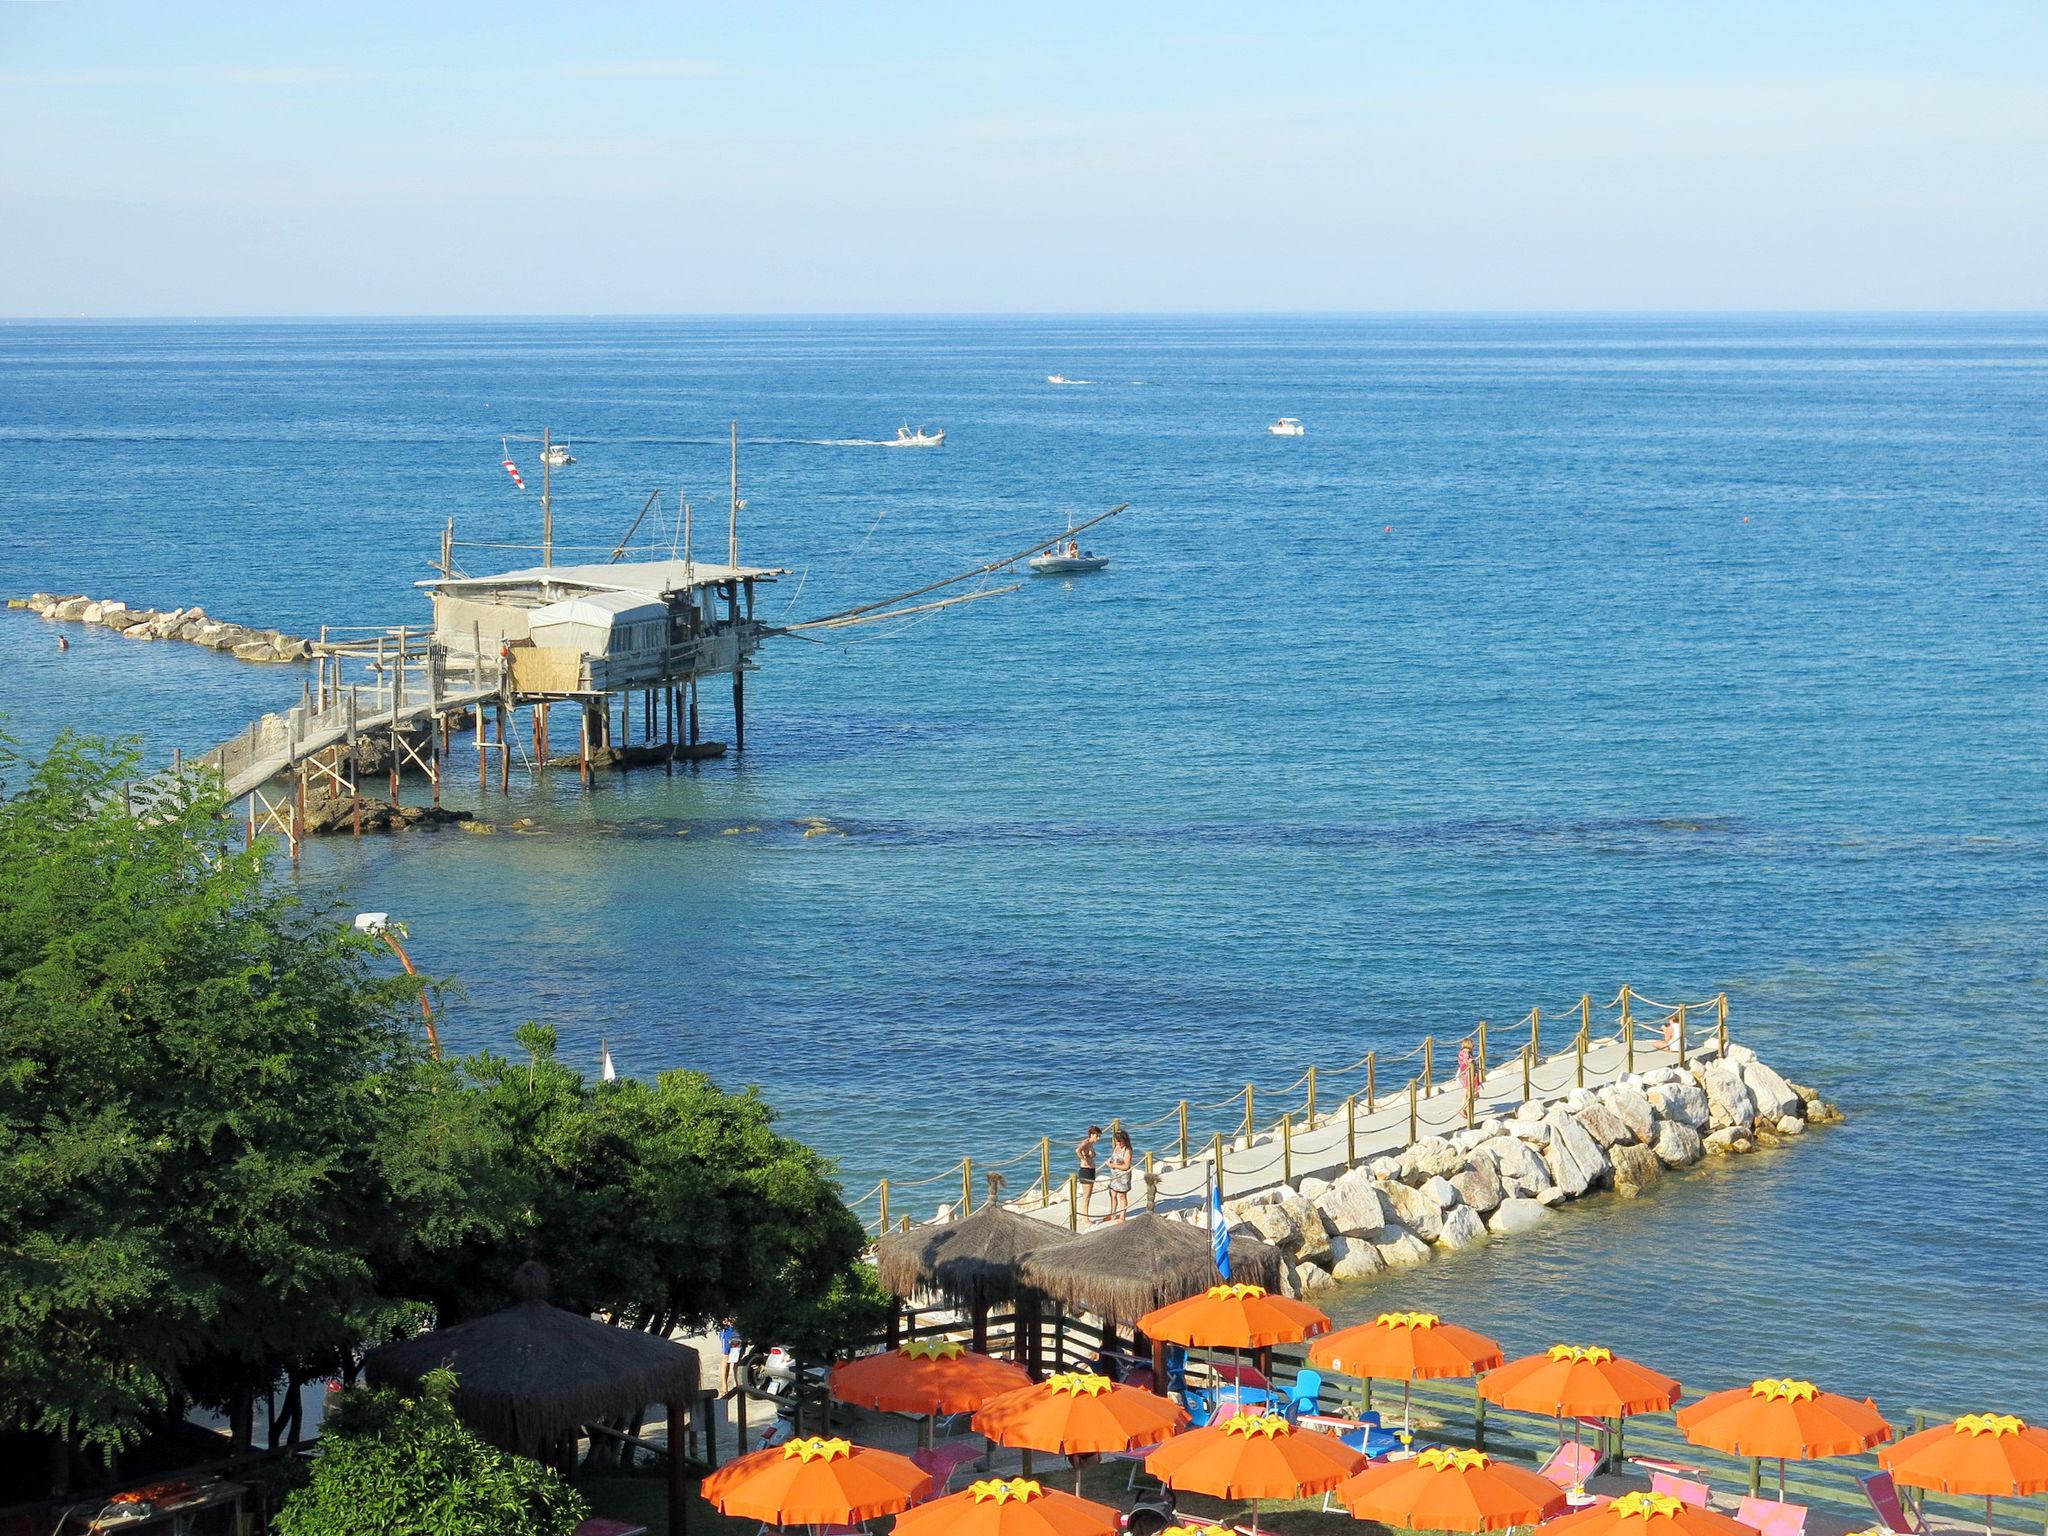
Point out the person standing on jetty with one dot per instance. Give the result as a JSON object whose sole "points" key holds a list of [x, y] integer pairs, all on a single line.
{"points": [[1084, 1177], [1468, 1070], [1120, 1159]]}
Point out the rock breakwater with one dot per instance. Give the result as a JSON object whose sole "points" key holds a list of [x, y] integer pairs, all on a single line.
{"points": [[193, 625], [1508, 1173]]}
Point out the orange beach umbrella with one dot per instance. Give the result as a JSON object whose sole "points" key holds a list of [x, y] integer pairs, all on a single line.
{"points": [[816, 1481], [1077, 1414], [1018, 1506], [1783, 1418], [1647, 1514], [1410, 1346], [1993, 1454], [1234, 1317], [1447, 1490], [1254, 1457], [925, 1376], [1579, 1381]]}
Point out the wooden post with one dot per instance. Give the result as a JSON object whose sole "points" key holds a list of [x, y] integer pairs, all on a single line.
{"points": [[1250, 1129], [504, 754], [585, 748], [1311, 1100], [1582, 1056], [1183, 1133], [1287, 1149], [1073, 1202], [1471, 1101], [1536, 1031], [483, 755], [1371, 1087], [1429, 1063], [884, 1192], [966, 1186], [739, 710], [1482, 1050], [298, 812], [678, 1480], [1351, 1132], [1413, 1095], [1628, 1030], [1721, 1026], [1528, 1061], [1585, 1013], [1216, 1153], [1044, 1172], [1681, 1034]]}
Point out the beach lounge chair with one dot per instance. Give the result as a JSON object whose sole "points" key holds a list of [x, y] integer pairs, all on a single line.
{"points": [[1683, 1489], [1136, 1457], [1771, 1517], [1892, 1514], [943, 1462], [1571, 1465], [1305, 1396]]}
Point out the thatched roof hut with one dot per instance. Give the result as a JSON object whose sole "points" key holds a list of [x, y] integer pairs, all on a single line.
{"points": [[974, 1262], [533, 1374], [1123, 1269]]}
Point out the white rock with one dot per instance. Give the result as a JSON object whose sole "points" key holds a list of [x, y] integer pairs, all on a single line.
{"points": [[1577, 1099], [1683, 1101], [1528, 1110], [1430, 1155], [1517, 1215], [1775, 1098], [1473, 1135], [1729, 1101], [1658, 1075], [1441, 1190], [1632, 1107], [1535, 1132], [1311, 1187], [1551, 1196], [1352, 1207], [1676, 1144], [1310, 1278], [1603, 1125], [1521, 1168], [1401, 1248], [1741, 1055], [1575, 1159], [1354, 1258], [1385, 1167], [1313, 1243], [1462, 1226], [1791, 1125], [1277, 1225], [1479, 1185], [1411, 1208]]}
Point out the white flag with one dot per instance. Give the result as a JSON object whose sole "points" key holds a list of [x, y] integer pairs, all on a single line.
{"points": [[609, 1073]]}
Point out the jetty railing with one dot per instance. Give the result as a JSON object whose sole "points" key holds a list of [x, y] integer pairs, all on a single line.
{"points": [[1412, 1093]]}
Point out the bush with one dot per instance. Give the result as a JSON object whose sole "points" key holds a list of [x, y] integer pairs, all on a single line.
{"points": [[398, 1466]]}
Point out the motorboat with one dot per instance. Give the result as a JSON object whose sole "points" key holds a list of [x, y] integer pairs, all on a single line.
{"points": [[1057, 378], [1069, 559], [1288, 426], [905, 438], [556, 456]]}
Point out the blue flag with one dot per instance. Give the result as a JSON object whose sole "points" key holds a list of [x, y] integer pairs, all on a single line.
{"points": [[1219, 1230]]}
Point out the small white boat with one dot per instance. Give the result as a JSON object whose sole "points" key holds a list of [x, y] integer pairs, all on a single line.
{"points": [[556, 457], [1056, 378], [1288, 426], [905, 438], [1072, 560]]}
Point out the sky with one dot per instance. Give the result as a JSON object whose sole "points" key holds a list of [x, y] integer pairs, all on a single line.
{"points": [[213, 158]]}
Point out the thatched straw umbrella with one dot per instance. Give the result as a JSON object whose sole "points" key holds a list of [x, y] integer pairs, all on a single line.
{"points": [[976, 1263], [1123, 1269], [532, 1375]]}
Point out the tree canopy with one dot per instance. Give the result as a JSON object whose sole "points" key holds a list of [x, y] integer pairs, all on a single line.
{"points": [[399, 1466], [226, 1160]]}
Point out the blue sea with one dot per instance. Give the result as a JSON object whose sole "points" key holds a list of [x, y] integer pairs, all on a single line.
{"points": [[1701, 654]]}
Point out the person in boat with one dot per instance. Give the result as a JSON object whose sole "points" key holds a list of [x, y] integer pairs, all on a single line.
{"points": [[1073, 549]]}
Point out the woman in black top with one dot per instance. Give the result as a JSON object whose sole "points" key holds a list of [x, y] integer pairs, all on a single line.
{"points": [[1084, 1178]]}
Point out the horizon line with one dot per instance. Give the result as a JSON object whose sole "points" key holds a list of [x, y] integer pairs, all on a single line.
{"points": [[559, 317]]}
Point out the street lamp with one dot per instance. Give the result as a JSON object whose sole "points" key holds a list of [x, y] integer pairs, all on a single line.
{"points": [[379, 925]]}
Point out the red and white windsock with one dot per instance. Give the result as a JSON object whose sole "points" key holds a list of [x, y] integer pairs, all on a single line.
{"points": [[513, 470]]}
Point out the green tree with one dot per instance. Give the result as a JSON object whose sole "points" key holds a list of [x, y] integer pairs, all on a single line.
{"points": [[667, 1202], [397, 1466], [210, 1111]]}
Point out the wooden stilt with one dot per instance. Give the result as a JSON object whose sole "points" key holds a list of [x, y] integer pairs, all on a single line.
{"points": [[504, 754], [586, 746], [693, 712], [435, 731], [483, 756], [739, 710]]}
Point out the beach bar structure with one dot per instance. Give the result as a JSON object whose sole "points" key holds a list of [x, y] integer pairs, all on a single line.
{"points": [[584, 635]]}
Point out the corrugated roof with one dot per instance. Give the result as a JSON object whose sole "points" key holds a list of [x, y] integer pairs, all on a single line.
{"points": [[650, 578]]}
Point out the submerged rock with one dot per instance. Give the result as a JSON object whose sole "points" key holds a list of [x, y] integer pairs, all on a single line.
{"points": [[1517, 1214], [1635, 1168], [1354, 1258], [1462, 1227]]}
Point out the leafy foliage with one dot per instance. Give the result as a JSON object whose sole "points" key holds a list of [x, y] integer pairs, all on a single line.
{"points": [[396, 1466]]}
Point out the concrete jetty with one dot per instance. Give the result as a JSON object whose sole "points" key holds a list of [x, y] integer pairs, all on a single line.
{"points": [[1381, 1182]]}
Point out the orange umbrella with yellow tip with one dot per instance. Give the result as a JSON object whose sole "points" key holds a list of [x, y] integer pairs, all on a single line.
{"points": [[1449, 1490], [1234, 1317], [1647, 1514], [1783, 1418], [1410, 1346], [816, 1481], [1253, 1457], [1579, 1381], [1017, 1506], [1076, 1414], [925, 1376], [1996, 1455]]}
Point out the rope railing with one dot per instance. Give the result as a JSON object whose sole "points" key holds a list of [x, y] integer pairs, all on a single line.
{"points": [[1426, 1099]]}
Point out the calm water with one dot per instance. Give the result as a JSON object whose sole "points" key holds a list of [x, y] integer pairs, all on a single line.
{"points": [[1698, 654]]}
